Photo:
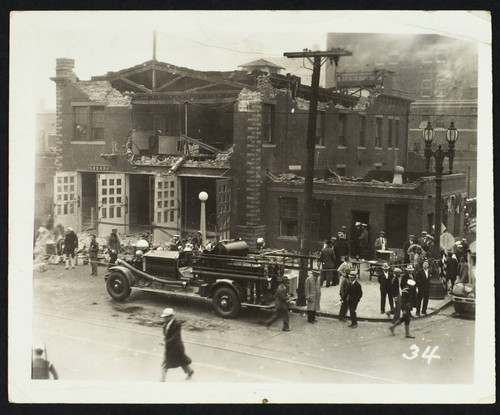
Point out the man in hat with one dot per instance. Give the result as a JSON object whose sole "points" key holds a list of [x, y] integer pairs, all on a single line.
{"points": [[113, 246], [196, 240], [41, 368], [344, 272], [429, 242], [384, 280], [406, 307], [395, 293], [70, 246], [326, 262], [409, 275], [422, 241], [261, 243], [355, 292], [281, 308], [363, 241], [174, 347], [313, 295], [406, 245], [381, 242], [93, 251], [451, 269], [423, 280]]}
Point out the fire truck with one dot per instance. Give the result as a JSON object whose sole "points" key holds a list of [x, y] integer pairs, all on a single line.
{"points": [[228, 275]]}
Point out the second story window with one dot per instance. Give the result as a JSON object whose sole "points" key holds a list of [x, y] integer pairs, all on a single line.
{"points": [[396, 133], [362, 131], [268, 124], [378, 133], [289, 216], [320, 129], [88, 123], [426, 86], [389, 138], [81, 119], [343, 129], [97, 123]]}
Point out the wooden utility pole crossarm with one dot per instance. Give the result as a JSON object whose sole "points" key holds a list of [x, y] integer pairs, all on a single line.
{"points": [[306, 226]]}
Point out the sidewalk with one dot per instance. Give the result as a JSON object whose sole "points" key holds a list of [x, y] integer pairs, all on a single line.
{"points": [[369, 306]]}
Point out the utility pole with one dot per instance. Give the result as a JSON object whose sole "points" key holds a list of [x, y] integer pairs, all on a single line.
{"points": [[306, 226]]}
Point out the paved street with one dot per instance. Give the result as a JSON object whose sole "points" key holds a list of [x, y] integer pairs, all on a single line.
{"points": [[91, 337]]}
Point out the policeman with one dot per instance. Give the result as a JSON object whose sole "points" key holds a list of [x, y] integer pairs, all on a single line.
{"points": [[40, 366]]}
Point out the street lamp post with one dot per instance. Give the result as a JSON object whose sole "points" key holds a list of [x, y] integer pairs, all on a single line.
{"points": [[428, 134], [203, 196]]}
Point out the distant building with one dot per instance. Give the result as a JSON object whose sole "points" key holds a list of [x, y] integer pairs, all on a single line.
{"points": [[262, 65], [44, 164], [440, 74]]}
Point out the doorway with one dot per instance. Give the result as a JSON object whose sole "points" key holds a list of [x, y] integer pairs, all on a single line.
{"points": [[89, 201], [358, 217], [396, 224], [140, 212]]}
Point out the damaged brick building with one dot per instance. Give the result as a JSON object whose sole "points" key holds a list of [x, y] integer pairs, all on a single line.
{"points": [[135, 148]]}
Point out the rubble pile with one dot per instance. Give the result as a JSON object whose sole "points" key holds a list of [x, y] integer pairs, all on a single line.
{"points": [[102, 91]]}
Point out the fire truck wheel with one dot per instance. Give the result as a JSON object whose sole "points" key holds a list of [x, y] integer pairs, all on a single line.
{"points": [[118, 286], [226, 303]]}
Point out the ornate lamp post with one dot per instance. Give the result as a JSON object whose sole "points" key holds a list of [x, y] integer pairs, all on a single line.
{"points": [[428, 134], [203, 196]]}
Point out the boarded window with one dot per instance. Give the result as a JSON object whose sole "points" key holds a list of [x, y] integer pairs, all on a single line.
{"points": [[289, 224], [268, 123], [343, 129]]}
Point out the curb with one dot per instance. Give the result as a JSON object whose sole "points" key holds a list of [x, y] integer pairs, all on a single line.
{"points": [[296, 309]]}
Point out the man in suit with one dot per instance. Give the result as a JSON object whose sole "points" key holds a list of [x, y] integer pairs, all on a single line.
{"points": [[451, 269], [423, 280], [395, 293], [355, 292], [406, 307], [343, 271], [406, 245], [313, 295], [327, 262], [281, 308], [381, 242], [384, 280]]}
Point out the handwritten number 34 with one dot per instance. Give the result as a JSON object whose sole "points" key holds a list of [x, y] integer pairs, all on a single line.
{"points": [[428, 354]]}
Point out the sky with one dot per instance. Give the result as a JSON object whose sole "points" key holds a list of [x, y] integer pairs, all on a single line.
{"points": [[109, 41]]}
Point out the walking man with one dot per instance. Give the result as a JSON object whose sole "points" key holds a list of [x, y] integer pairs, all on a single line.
{"points": [[384, 280], [174, 347], [41, 368], [327, 262], [344, 272], [93, 251], [451, 270], [406, 307], [70, 246], [355, 292], [423, 280], [113, 246], [395, 294], [313, 296], [281, 308]]}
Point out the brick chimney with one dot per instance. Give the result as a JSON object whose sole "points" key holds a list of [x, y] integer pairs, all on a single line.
{"points": [[64, 69]]}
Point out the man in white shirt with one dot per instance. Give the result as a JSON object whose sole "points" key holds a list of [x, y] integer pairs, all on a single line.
{"points": [[423, 279]]}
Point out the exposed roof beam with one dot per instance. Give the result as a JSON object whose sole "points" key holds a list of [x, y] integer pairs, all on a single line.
{"points": [[171, 82], [175, 101], [124, 72], [198, 88], [141, 87]]}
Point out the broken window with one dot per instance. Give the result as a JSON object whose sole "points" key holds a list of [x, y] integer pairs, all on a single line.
{"points": [[289, 216], [362, 131], [268, 123], [343, 129], [320, 129], [378, 136], [396, 134], [389, 138], [83, 117]]}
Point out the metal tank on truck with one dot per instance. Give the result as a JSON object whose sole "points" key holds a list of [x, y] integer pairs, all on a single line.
{"points": [[227, 274]]}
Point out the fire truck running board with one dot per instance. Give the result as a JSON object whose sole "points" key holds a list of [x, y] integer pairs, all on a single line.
{"points": [[262, 306]]}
